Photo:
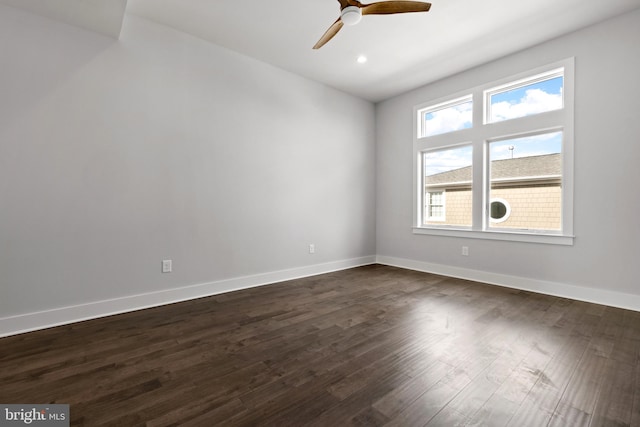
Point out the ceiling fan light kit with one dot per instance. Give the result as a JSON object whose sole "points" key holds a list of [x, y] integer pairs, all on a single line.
{"points": [[351, 15], [351, 12]]}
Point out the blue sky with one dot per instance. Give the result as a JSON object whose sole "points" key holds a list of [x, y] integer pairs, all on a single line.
{"points": [[448, 119], [551, 86], [524, 101], [519, 102], [446, 160], [459, 157], [548, 143]]}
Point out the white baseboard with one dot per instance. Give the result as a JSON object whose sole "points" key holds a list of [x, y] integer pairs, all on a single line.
{"points": [[61, 316], [580, 293]]}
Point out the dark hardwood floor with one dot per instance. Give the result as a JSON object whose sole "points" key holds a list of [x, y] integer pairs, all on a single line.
{"points": [[368, 346]]}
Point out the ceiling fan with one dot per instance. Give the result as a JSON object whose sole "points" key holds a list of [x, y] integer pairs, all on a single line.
{"points": [[351, 12]]}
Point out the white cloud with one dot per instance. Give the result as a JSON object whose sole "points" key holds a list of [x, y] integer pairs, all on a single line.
{"points": [[446, 160], [534, 101], [449, 119]]}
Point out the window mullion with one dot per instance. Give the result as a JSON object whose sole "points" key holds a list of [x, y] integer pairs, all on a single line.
{"points": [[478, 186], [478, 182]]}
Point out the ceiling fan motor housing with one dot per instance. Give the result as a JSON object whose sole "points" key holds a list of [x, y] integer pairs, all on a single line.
{"points": [[351, 15], [353, 10]]}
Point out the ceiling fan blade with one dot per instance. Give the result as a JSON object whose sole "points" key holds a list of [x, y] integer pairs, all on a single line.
{"points": [[332, 31], [345, 3], [393, 6]]}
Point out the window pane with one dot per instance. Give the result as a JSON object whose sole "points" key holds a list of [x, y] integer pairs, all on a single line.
{"points": [[436, 211], [448, 118], [526, 183], [526, 100], [447, 187], [435, 198]]}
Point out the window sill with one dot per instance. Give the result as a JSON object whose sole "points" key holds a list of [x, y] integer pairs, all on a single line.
{"points": [[551, 239]]}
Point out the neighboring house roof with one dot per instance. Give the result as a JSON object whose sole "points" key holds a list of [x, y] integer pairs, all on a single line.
{"points": [[518, 169]]}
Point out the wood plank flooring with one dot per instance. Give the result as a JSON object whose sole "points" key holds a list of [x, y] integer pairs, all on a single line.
{"points": [[371, 346]]}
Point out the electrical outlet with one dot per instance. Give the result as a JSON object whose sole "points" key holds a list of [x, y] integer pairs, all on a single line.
{"points": [[312, 248], [465, 250], [166, 266]]}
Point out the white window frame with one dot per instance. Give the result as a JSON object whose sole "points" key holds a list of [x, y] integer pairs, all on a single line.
{"points": [[480, 135], [506, 215]]}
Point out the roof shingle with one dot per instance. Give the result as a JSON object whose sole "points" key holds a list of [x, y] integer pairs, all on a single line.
{"points": [[547, 165]]}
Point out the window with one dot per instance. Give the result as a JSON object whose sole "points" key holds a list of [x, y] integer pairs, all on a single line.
{"points": [[446, 117], [526, 172], [448, 171], [506, 175], [500, 210], [435, 207], [534, 95]]}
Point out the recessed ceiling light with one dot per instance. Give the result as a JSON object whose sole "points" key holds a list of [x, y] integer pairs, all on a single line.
{"points": [[361, 59]]}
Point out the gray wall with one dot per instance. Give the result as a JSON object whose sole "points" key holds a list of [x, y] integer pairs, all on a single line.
{"points": [[117, 154], [607, 168]]}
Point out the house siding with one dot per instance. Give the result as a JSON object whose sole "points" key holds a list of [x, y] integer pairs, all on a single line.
{"points": [[533, 206], [457, 208], [536, 207]]}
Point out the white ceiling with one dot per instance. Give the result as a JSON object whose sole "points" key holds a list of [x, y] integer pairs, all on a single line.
{"points": [[102, 16], [404, 51]]}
